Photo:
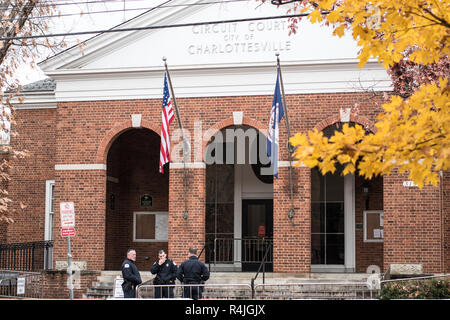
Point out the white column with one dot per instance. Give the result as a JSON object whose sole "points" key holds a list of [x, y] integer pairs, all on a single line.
{"points": [[349, 224], [237, 214]]}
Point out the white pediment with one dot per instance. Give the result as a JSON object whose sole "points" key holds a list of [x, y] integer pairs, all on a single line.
{"points": [[249, 42]]}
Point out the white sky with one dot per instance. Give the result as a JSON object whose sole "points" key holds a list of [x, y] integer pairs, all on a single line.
{"points": [[86, 22]]}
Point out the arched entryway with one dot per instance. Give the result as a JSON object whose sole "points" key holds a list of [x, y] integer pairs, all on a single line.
{"points": [[239, 199], [136, 199], [346, 220]]}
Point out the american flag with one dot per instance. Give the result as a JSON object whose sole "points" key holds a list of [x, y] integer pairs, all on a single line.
{"points": [[167, 116]]}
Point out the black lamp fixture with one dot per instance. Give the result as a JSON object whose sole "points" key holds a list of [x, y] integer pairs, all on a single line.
{"points": [[291, 214]]}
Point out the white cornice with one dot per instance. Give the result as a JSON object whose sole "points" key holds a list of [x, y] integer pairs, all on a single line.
{"points": [[36, 100], [221, 80], [332, 63], [90, 166]]}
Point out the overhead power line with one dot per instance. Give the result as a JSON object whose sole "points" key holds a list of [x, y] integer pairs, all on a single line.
{"points": [[129, 9], [153, 27]]}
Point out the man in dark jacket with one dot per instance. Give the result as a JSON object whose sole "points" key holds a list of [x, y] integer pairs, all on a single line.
{"points": [[166, 273], [193, 271], [130, 274]]}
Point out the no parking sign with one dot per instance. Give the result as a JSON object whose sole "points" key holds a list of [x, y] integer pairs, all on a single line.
{"points": [[67, 211]]}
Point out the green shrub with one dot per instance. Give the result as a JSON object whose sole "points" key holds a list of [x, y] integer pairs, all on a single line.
{"points": [[416, 289]]}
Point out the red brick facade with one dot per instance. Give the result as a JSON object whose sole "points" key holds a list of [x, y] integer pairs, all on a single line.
{"points": [[85, 133], [55, 284], [413, 224], [37, 135]]}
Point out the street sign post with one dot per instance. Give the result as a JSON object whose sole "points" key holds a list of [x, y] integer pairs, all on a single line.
{"points": [[67, 212]]}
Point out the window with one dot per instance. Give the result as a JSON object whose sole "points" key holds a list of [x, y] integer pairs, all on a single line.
{"points": [[49, 208], [327, 218], [150, 226], [373, 226], [332, 218], [49, 213]]}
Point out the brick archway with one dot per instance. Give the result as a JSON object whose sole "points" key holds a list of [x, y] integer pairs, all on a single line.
{"points": [[209, 133], [134, 189], [365, 122], [362, 254], [115, 131]]}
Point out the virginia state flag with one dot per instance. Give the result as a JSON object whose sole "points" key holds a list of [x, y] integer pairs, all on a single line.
{"points": [[275, 117]]}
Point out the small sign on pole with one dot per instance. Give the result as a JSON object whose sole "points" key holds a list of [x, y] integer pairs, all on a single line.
{"points": [[67, 212], [70, 232], [20, 286]]}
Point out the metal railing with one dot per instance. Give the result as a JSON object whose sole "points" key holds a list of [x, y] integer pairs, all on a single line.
{"points": [[27, 256], [31, 284], [286, 291], [194, 291], [443, 276], [252, 250], [207, 249], [263, 266]]}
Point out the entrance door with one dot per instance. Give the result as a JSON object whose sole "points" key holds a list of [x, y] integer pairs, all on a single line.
{"points": [[257, 234]]}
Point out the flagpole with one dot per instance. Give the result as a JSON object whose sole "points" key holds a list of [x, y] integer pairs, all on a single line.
{"points": [[289, 146], [185, 152], [174, 101]]}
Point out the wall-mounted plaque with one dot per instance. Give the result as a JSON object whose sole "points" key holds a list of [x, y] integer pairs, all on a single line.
{"points": [[146, 200], [373, 226]]}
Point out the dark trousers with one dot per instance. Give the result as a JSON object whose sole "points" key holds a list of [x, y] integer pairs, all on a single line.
{"points": [[192, 292], [163, 292], [129, 293]]}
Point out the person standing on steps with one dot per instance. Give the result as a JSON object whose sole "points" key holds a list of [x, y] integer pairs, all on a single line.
{"points": [[193, 271], [130, 274], [166, 273]]}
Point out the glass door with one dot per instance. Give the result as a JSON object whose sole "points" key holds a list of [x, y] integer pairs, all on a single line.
{"points": [[257, 234], [219, 214]]}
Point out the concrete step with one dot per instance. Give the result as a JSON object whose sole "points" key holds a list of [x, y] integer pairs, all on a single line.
{"points": [[95, 296], [110, 276], [101, 291], [278, 278], [322, 286]]}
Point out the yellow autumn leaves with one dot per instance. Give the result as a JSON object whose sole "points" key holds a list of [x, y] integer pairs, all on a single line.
{"points": [[412, 134]]}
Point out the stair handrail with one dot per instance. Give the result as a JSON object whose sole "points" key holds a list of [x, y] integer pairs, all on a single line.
{"points": [[262, 265], [201, 251]]}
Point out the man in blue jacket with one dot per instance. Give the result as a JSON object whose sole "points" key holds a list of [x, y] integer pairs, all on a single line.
{"points": [[193, 271], [130, 274], [166, 273]]}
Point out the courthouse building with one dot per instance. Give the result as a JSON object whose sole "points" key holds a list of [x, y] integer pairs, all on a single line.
{"points": [[93, 132]]}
